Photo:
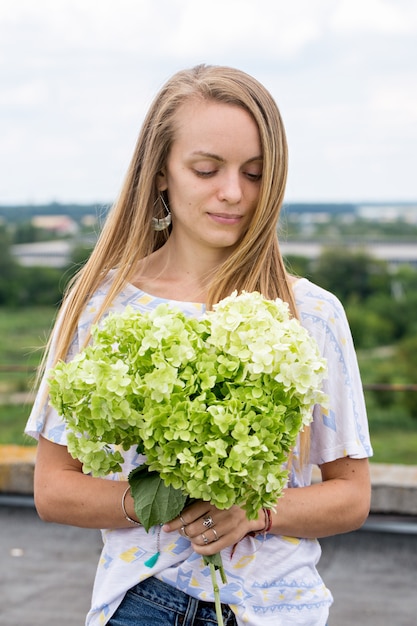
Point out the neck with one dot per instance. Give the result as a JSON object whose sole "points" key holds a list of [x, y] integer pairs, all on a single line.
{"points": [[179, 273]]}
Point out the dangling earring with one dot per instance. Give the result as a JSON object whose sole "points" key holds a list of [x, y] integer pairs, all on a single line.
{"points": [[164, 222]]}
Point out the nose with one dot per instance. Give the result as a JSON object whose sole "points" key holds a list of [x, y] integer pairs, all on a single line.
{"points": [[230, 188]]}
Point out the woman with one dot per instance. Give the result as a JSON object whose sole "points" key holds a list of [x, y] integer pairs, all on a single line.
{"points": [[196, 220]]}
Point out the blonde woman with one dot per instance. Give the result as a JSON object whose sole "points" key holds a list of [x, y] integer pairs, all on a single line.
{"points": [[197, 219]]}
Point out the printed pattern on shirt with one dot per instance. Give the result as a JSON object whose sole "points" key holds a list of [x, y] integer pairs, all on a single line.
{"points": [[269, 579]]}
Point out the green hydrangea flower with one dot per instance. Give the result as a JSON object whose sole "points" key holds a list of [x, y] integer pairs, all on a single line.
{"points": [[215, 404]]}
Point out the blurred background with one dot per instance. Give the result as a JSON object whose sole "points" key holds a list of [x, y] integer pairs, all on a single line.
{"points": [[76, 79]]}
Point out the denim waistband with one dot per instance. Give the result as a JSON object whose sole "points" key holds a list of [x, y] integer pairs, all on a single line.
{"points": [[155, 602]]}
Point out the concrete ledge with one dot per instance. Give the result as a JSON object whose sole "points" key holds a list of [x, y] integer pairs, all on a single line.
{"points": [[394, 487], [16, 469]]}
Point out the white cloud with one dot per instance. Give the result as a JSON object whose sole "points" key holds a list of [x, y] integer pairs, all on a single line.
{"points": [[23, 95], [281, 30], [78, 75], [375, 16], [396, 104]]}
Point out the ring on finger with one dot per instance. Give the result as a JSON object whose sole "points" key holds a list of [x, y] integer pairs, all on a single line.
{"points": [[208, 522], [183, 532], [216, 536], [205, 539], [184, 523]]}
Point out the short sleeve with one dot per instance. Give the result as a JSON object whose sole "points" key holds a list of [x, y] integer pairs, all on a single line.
{"points": [[342, 428], [43, 419]]}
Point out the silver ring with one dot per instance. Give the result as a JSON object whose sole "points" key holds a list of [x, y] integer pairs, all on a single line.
{"points": [[182, 520], [206, 541], [208, 522], [216, 536], [183, 532]]}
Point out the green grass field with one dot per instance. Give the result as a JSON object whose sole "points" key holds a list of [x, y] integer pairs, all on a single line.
{"points": [[24, 332], [13, 418]]}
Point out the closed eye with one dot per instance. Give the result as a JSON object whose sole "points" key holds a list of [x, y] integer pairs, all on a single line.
{"points": [[205, 173], [253, 176]]}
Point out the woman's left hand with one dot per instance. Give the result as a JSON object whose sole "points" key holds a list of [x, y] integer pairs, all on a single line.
{"points": [[210, 529], [338, 504]]}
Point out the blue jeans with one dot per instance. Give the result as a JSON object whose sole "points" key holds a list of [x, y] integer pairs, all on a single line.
{"points": [[153, 602]]}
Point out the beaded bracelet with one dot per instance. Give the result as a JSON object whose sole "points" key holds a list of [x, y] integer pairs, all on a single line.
{"points": [[266, 528], [129, 519], [268, 521]]}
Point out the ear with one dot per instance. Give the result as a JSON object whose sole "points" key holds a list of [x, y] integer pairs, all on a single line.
{"points": [[161, 180]]}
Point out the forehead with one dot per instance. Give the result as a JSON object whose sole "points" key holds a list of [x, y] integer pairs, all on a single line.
{"points": [[207, 124]]}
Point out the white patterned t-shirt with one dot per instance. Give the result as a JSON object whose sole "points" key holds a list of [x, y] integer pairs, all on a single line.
{"points": [[271, 581]]}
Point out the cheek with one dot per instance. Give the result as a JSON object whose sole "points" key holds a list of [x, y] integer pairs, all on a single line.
{"points": [[181, 203], [254, 200], [183, 193], [252, 192]]}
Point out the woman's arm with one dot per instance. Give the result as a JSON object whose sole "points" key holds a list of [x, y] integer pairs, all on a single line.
{"points": [[65, 495], [338, 504]]}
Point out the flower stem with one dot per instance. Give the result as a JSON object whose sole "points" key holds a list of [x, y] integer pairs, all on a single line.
{"points": [[216, 590]]}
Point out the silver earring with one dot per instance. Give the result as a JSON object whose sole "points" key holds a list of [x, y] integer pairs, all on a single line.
{"points": [[164, 222]]}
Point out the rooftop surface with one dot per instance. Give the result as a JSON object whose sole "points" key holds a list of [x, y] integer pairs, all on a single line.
{"points": [[47, 570]]}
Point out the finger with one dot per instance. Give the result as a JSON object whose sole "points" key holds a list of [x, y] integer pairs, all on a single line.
{"points": [[188, 516], [183, 532], [208, 521], [199, 529], [205, 539], [210, 536], [206, 543]]}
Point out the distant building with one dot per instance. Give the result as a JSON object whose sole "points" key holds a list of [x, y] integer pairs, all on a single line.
{"points": [[394, 253], [388, 212], [58, 253], [43, 254], [89, 220], [57, 224]]}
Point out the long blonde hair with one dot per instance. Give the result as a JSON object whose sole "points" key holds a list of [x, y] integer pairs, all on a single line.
{"points": [[128, 236]]}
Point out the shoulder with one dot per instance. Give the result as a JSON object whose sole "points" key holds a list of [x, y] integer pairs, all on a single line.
{"points": [[320, 311], [95, 303], [311, 298]]}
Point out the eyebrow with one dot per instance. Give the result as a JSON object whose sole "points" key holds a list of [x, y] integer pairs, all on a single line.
{"points": [[216, 157]]}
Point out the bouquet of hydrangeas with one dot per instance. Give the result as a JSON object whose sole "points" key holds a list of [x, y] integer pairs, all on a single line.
{"points": [[215, 404]]}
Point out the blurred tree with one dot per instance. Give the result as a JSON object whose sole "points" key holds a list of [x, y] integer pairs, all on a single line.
{"points": [[369, 330], [298, 265], [399, 312], [79, 256], [26, 232], [407, 358], [39, 286], [352, 276], [8, 270]]}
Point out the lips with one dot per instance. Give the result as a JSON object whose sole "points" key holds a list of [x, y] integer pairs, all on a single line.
{"points": [[225, 218]]}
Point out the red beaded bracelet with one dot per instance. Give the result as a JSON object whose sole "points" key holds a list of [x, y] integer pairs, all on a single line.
{"points": [[268, 521], [255, 533], [266, 528]]}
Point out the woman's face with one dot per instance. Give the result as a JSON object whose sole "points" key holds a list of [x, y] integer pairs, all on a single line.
{"points": [[213, 174]]}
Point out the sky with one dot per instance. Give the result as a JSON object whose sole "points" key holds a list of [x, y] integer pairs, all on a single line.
{"points": [[77, 76]]}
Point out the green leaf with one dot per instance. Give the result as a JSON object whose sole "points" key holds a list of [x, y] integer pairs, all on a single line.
{"points": [[216, 561], [155, 503]]}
